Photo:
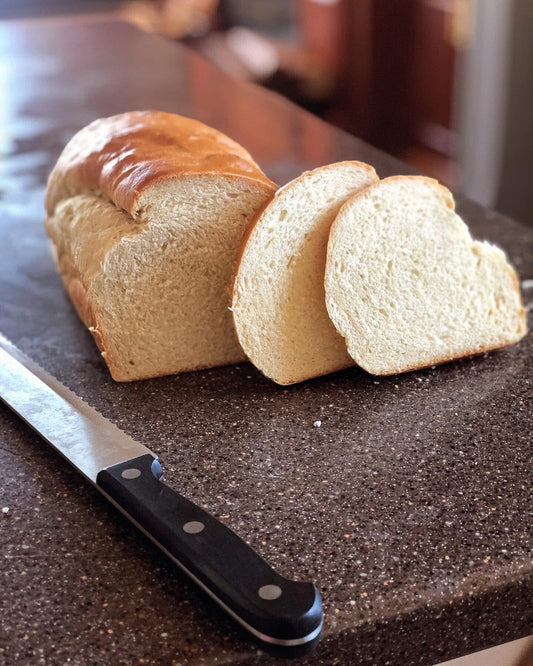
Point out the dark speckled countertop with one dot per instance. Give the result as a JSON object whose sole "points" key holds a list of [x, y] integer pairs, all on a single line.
{"points": [[407, 499]]}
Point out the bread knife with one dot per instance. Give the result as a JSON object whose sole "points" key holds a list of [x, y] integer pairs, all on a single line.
{"points": [[283, 616]]}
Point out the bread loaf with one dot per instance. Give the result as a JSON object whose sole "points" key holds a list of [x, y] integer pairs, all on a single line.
{"points": [[146, 212], [278, 295], [407, 287]]}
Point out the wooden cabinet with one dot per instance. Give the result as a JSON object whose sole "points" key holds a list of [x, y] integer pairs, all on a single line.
{"points": [[394, 64]]}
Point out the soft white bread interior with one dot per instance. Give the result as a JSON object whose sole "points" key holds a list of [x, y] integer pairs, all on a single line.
{"points": [[406, 285], [278, 296], [147, 212]]}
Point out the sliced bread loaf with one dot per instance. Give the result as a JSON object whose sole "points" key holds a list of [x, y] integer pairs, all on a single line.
{"points": [[407, 287], [278, 295], [146, 212]]}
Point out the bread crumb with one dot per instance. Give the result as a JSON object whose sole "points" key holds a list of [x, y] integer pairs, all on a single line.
{"points": [[317, 424]]}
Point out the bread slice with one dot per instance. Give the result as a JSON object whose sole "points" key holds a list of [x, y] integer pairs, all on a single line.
{"points": [[406, 285], [278, 295], [146, 212]]}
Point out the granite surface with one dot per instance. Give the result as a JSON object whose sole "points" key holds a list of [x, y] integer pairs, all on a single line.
{"points": [[409, 505]]}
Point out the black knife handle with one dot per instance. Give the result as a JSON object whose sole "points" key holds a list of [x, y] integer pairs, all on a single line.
{"points": [[281, 614]]}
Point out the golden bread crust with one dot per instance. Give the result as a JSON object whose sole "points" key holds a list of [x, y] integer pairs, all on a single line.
{"points": [[122, 155]]}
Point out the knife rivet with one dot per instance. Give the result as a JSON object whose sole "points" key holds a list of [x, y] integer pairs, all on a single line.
{"points": [[193, 527], [130, 473], [269, 592]]}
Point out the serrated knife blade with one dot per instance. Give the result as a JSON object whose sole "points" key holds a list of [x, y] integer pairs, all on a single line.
{"points": [[282, 615], [75, 429]]}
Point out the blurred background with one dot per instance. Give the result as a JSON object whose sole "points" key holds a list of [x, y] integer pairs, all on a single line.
{"points": [[445, 85]]}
